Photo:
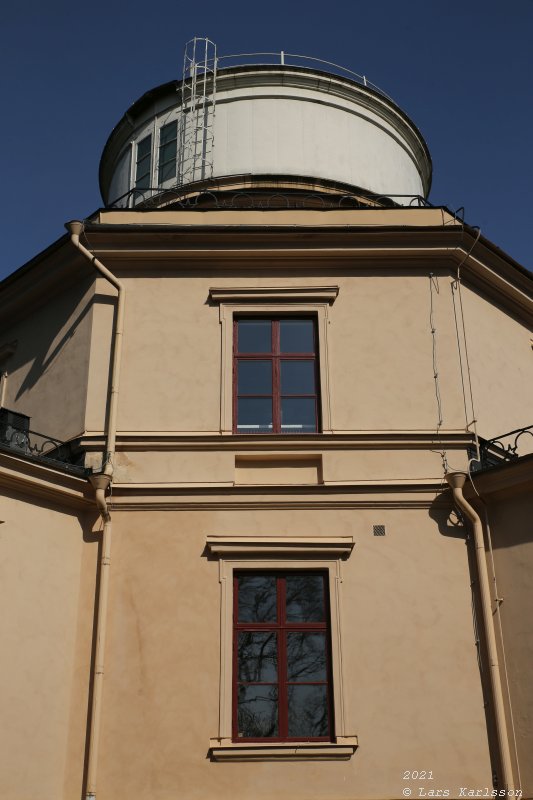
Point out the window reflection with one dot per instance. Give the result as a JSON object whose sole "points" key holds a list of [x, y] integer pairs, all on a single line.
{"points": [[257, 713], [258, 657], [308, 711], [305, 597], [257, 598], [281, 647], [306, 657]]}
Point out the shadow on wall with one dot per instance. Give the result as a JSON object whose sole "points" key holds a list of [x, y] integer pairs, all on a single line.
{"points": [[444, 515], [45, 352]]}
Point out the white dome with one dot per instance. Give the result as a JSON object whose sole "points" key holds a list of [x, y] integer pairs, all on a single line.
{"points": [[271, 126]]}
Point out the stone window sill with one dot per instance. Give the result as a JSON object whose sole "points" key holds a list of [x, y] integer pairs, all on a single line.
{"points": [[307, 751]]}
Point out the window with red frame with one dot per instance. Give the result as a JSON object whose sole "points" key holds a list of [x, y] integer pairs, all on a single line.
{"points": [[275, 376], [281, 653]]}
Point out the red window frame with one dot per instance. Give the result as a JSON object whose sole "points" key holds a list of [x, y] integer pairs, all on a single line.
{"points": [[281, 627], [275, 356]]}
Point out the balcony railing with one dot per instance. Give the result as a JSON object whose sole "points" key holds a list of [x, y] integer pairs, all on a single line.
{"points": [[21, 440], [504, 448]]}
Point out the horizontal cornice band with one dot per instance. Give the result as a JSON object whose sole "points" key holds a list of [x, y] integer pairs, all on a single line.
{"points": [[50, 484], [360, 440]]}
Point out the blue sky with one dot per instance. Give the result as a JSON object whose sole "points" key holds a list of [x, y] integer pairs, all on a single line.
{"points": [[462, 72]]}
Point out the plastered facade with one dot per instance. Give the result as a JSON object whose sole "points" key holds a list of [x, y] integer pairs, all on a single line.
{"points": [[412, 694]]}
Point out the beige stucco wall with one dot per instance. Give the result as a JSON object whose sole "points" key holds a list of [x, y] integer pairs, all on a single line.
{"points": [[501, 363], [42, 551], [410, 672], [379, 343], [412, 686], [48, 373], [380, 347], [510, 515]]}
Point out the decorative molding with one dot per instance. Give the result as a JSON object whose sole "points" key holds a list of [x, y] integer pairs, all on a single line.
{"points": [[296, 306], [324, 751], [274, 294], [47, 483], [336, 546], [138, 441], [257, 560], [432, 501]]}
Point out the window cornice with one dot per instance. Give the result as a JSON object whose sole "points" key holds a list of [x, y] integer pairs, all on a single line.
{"points": [[321, 546], [275, 294]]}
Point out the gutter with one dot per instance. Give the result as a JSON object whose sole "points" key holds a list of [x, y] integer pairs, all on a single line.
{"points": [[101, 482], [456, 481]]}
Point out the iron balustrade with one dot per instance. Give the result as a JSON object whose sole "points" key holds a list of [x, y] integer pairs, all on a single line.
{"points": [[48, 450], [502, 449], [158, 197]]}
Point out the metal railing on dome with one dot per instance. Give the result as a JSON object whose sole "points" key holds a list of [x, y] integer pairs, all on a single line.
{"points": [[156, 197], [295, 60]]}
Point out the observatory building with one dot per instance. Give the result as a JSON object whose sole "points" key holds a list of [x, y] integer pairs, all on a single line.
{"points": [[266, 463]]}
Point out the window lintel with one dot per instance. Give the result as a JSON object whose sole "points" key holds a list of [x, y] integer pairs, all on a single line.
{"points": [[320, 294], [336, 546]]}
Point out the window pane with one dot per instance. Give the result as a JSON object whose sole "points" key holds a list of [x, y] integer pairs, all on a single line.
{"points": [[297, 377], [168, 133], [167, 152], [167, 171], [255, 377], [143, 182], [257, 598], [257, 712], [144, 163], [306, 657], [254, 415], [254, 336], [308, 711], [305, 598], [144, 147], [296, 336], [298, 415], [258, 657]]}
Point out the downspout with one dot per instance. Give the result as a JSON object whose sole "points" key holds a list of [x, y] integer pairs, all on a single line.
{"points": [[101, 482], [456, 480], [75, 229]]}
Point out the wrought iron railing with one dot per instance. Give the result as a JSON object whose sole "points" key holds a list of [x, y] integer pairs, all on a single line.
{"points": [[158, 197], [504, 448], [40, 447]]}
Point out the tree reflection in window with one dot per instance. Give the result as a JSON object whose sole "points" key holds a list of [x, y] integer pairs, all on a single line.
{"points": [[282, 686]]}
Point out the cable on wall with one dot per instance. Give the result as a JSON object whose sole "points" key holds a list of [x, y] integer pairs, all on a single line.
{"points": [[435, 289], [461, 329]]}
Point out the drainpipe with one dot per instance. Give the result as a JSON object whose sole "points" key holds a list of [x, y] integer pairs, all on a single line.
{"points": [[456, 480], [101, 482]]}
